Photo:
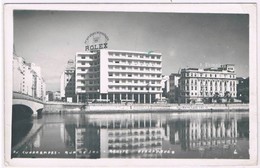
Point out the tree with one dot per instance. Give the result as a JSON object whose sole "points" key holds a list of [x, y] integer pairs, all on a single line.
{"points": [[227, 95], [216, 97]]}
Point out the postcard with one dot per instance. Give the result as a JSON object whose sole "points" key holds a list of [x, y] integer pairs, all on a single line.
{"points": [[130, 85]]}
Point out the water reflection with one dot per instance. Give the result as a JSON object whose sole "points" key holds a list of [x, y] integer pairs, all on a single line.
{"points": [[197, 135]]}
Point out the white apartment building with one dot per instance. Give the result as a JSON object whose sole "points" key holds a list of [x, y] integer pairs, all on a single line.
{"points": [[27, 78], [116, 76], [196, 84], [67, 83]]}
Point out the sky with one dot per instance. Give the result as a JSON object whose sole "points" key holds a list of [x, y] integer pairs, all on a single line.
{"points": [[51, 38]]}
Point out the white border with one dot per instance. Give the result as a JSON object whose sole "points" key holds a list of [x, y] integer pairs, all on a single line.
{"points": [[181, 8]]}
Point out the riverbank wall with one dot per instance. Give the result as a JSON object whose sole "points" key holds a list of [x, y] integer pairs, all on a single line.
{"points": [[60, 107]]}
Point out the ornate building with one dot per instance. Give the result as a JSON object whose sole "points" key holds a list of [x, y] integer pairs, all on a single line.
{"points": [[200, 84]]}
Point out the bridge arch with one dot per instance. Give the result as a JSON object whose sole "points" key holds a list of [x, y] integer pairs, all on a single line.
{"points": [[21, 111], [33, 103]]}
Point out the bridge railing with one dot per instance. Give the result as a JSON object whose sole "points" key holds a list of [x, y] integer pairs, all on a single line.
{"points": [[17, 95]]}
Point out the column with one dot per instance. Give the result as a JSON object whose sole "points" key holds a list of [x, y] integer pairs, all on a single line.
{"points": [[107, 96], [77, 98], [114, 123], [120, 96], [113, 97], [144, 98], [138, 98], [144, 122], [149, 97], [139, 121], [126, 96]]}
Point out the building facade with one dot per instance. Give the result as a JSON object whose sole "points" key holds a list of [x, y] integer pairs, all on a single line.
{"points": [[199, 84], [174, 92], [27, 78], [67, 83], [165, 86], [118, 76]]}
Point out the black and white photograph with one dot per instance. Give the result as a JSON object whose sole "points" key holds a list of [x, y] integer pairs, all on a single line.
{"points": [[131, 84]]}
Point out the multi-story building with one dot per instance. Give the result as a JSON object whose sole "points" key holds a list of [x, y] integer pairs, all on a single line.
{"points": [[27, 78], [116, 76], [49, 96], [165, 86], [200, 84], [174, 88], [67, 83]]}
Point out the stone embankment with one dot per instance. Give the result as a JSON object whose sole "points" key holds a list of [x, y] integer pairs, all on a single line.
{"points": [[61, 107]]}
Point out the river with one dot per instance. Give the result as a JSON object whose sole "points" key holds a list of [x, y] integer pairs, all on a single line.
{"points": [[222, 135]]}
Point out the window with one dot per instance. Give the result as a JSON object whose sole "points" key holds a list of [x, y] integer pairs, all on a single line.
{"points": [[116, 81], [129, 75], [82, 57], [82, 63], [117, 62], [82, 69], [110, 74], [135, 88]]}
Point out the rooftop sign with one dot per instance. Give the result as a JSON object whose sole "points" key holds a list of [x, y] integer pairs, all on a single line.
{"points": [[96, 41]]}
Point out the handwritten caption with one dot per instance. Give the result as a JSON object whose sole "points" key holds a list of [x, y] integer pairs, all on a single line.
{"points": [[152, 151]]}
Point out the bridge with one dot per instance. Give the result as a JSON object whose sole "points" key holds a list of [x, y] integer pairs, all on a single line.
{"points": [[26, 106]]}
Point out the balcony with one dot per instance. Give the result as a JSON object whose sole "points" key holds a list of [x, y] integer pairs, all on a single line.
{"points": [[134, 71]]}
